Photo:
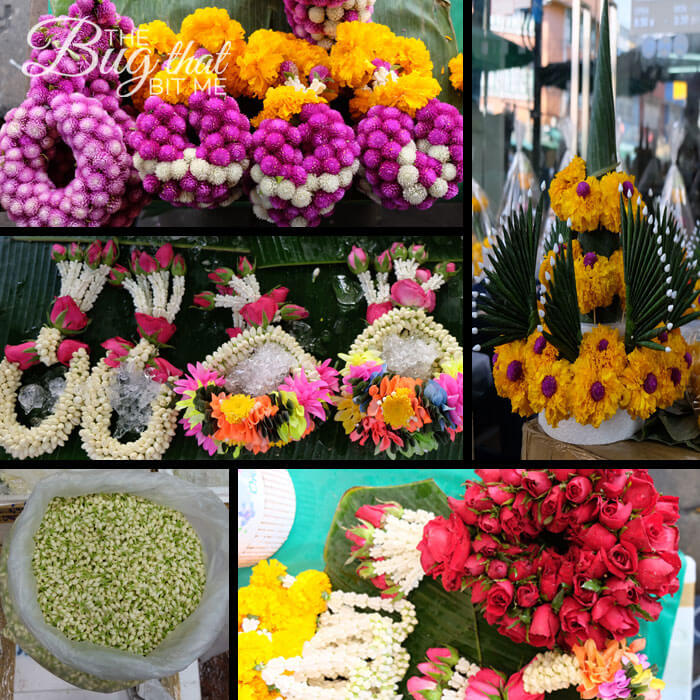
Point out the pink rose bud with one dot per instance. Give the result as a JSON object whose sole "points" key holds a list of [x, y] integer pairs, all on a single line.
{"points": [[419, 688], [134, 260], [160, 370], [375, 311], [357, 260], [430, 305], [67, 349], [233, 332], [245, 267], [75, 252], [110, 253], [292, 312], [24, 355], [205, 300], [67, 317], [447, 270], [222, 275], [179, 268], [156, 330], [117, 275], [409, 293], [260, 312], [398, 251], [58, 253], [382, 263], [146, 264], [423, 275], [418, 253], [278, 294], [165, 256], [118, 350], [93, 255], [224, 291]]}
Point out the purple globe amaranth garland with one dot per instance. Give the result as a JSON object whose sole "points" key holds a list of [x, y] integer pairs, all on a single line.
{"points": [[412, 161], [317, 20], [181, 172], [301, 172]]}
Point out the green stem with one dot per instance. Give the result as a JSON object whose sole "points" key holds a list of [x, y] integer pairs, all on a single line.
{"points": [[479, 657]]}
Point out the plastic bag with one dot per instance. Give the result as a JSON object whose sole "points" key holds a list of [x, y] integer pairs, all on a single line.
{"points": [[520, 179], [191, 638], [674, 195], [482, 231]]}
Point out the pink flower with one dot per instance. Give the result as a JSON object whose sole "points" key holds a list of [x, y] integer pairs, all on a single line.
{"points": [[66, 350], [418, 253], [544, 627], [156, 330], [375, 514], [110, 253], [205, 300], [382, 262], [234, 332], [161, 370], [66, 316], [363, 371], [309, 395], [245, 267], [93, 255], [432, 300], [24, 355], [484, 685], [222, 275], [58, 253], [260, 312], [206, 442], [409, 293], [516, 688], [117, 275], [423, 275], [328, 374], [198, 376], [278, 294], [416, 685], [179, 268], [375, 311], [147, 264], [165, 256], [292, 312], [118, 350], [357, 260]]}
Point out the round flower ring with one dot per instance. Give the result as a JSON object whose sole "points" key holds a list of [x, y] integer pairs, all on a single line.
{"points": [[559, 556], [182, 172], [302, 171]]}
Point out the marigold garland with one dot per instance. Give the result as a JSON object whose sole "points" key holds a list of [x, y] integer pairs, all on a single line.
{"points": [[456, 66]]}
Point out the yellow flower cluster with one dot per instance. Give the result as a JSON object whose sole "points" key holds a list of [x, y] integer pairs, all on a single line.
{"points": [[284, 102], [286, 618], [409, 93], [456, 66], [478, 254], [601, 380], [588, 202]]}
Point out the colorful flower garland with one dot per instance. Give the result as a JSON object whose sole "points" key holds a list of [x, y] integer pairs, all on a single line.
{"points": [[401, 413], [222, 418]]}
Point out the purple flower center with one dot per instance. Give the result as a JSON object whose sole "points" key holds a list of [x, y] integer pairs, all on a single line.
{"points": [[650, 383], [663, 336], [549, 386], [583, 189], [602, 345], [540, 345], [494, 359], [597, 391], [688, 359], [590, 259], [627, 188], [675, 376], [515, 371]]}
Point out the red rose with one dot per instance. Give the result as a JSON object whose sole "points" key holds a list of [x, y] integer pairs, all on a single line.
{"points": [[618, 620], [527, 595], [484, 685], [485, 544], [597, 537], [513, 628], [445, 545], [636, 534], [233, 332], [512, 477], [520, 569], [278, 294], [67, 316], [622, 559], [574, 619], [657, 574], [536, 482], [641, 492], [613, 482], [489, 523], [650, 606], [579, 489], [586, 512], [663, 538], [590, 563], [563, 474], [667, 507], [550, 510], [614, 514], [260, 312], [498, 600], [476, 496], [469, 517], [624, 591], [489, 476], [24, 355], [67, 349], [118, 349], [161, 370], [583, 596], [479, 592], [497, 569], [515, 688], [549, 585], [475, 564], [500, 495], [375, 311], [155, 329], [544, 627]]}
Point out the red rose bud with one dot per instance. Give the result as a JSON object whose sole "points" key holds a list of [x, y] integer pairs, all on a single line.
{"points": [[67, 349], [117, 275], [544, 627], [110, 253], [536, 482], [222, 275], [24, 355], [375, 515], [134, 259], [118, 350], [233, 332], [447, 270], [58, 253], [156, 330], [205, 300], [292, 312], [418, 253], [423, 274], [160, 370], [375, 311], [357, 260], [164, 256], [93, 255], [75, 252], [382, 263], [398, 251], [179, 267], [67, 317], [146, 264], [443, 656], [366, 570], [245, 267], [260, 312], [278, 295]]}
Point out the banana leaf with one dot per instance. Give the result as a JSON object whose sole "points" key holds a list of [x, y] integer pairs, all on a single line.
{"points": [[29, 281], [443, 618]]}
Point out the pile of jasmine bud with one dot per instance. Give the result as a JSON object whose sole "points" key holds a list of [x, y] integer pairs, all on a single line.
{"points": [[117, 570]]}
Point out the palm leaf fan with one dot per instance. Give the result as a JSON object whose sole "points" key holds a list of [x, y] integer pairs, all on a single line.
{"points": [[561, 321], [510, 300]]}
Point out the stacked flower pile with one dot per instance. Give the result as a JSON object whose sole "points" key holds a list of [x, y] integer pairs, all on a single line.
{"points": [[445, 676], [616, 552], [318, 20]]}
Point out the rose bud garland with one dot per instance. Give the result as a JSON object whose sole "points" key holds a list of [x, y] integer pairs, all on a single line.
{"points": [[617, 552]]}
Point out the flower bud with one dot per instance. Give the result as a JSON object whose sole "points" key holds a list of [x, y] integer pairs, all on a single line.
{"points": [[117, 275], [58, 253], [292, 312], [93, 255], [418, 253], [165, 256], [205, 300], [382, 263], [110, 253], [146, 264], [245, 267], [398, 251], [179, 268], [423, 274], [75, 252], [222, 275], [357, 260], [447, 270]]}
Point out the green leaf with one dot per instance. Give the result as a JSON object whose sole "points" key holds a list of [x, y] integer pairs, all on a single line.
{"points": [[593, 585], [602, 152], [443, 618]]}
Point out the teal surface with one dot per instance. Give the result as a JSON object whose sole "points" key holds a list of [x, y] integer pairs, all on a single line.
{"points": [[319, 490]]}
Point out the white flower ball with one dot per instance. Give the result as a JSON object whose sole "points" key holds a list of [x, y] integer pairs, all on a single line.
{"points": [[286, 189], [415, 194], [163, 171], [200, 168], [441, 153], [408, 175], [217, 175], [329, 183], [149, 166], [355, 166], [438, 188], [364, 15], [335, 14], [311, 182], [179, 169], [234, 173], [138, 161], [345, 177], [298, 222], [407, 155], [186, 197], [423, 145], [449, 171], [348, 4], [330, 27], [301, 198], [189, 154], [268, 186], [317, 15], [256, 173]]}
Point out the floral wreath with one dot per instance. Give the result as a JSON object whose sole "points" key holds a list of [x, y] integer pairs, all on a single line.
{"points": [[224, 404], [83, 275], [156, 307], [402, 381]]}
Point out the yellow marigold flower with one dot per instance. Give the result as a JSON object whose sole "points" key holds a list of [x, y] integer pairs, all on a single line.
{"points": [[411, 55], [597, 282], [260, 64], [594, 392], [548, 390], [643, 378], [570, 176], [268, 574], [617, 263], [210, 27], [284, 102], [456, 66], [147, 42], [305, 55], [677, 366], [539, 352], [361, 102], [546, 268], [604, 348], [610, 198], [348, 413], [308, 590], [510, 376], [408, 93], [580, 203]]}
